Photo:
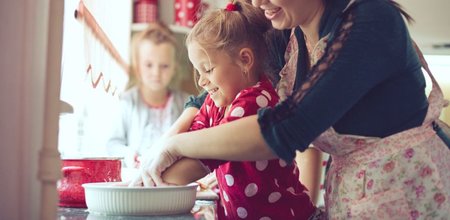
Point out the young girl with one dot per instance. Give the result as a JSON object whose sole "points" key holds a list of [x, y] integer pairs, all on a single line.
{"points": [[149, 106], [227, 49]]}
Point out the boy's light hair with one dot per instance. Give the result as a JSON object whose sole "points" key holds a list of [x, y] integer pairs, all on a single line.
{"points": [[157, 33]]}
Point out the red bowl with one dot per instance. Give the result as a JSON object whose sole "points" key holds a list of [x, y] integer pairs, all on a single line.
{"points": [[76, 172]]}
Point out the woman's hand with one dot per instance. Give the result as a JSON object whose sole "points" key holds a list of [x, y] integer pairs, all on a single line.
{"points": [[151, 170]]}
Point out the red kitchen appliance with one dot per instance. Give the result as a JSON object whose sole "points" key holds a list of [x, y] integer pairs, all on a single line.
{"points": [[76, 172], [145, 11]]}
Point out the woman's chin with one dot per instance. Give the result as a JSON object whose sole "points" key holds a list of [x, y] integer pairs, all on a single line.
{"points": [[281, 25]]}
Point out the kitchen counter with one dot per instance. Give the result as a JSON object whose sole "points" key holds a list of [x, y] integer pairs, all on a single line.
{"points": [[203, 210]]}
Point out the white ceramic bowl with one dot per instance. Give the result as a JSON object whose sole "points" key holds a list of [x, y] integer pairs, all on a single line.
{"points": [[115, 199]]}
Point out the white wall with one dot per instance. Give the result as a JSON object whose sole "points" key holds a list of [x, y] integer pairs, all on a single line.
{"points": [[22, 82]]}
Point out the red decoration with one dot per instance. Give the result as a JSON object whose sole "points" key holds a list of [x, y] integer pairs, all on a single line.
{"points": [[145, 11], [231, 7], [187, 12]]}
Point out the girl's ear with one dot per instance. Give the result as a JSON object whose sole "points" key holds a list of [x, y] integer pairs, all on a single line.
{"points": [[247, 58]]}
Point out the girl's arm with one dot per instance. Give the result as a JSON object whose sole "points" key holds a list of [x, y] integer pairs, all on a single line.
{"points": [[309, 163], [183, 123], [184, 171]]}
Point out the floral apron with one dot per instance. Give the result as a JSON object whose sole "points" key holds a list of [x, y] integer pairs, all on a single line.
{"points": [[402, 176]]}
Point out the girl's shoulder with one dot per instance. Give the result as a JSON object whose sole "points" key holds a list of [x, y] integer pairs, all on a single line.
{"points": [[261, 92]]}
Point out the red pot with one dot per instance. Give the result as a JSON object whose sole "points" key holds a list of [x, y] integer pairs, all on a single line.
{"points": [[86, 170]]}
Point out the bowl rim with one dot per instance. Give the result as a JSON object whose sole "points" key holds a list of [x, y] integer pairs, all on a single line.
{"points": [[113, 185]]}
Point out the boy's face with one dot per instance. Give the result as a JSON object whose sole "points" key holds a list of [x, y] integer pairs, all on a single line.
{"points": [[219, 74], [156, 65]]}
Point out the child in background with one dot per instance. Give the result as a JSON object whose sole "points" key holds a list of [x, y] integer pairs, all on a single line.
{"points": [[228, 50], [150, 106]]}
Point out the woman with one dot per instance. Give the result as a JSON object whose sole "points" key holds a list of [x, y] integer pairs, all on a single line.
{"points": [[357, 94]]}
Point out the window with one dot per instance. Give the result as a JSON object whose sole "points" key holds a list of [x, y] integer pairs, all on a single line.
{"points": [[91, 78]]}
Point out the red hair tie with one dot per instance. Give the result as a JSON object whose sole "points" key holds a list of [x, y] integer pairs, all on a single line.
{"points": [[231, 7]]}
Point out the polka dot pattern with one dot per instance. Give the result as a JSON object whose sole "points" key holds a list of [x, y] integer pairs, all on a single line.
{"points": [[225, 196], [282, 163], [186, 13], [267, 94], [251, 189], [242, 212], [200, 123], [291, 190], [262, 101], [237, 112], [274, 197], [261, 165], [229, 179]]}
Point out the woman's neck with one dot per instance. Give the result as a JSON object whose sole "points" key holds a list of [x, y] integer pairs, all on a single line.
{"points": [[155, 99], [310, 28]]}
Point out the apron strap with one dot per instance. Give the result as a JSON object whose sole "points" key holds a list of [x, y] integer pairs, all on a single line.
{"points": [[427, 69], [436, 98]]}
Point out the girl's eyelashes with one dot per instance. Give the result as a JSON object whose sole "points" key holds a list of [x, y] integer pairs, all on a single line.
{"points": [[209, 70]]}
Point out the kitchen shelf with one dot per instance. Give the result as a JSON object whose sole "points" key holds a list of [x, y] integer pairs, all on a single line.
{"points": [[135, 27]]}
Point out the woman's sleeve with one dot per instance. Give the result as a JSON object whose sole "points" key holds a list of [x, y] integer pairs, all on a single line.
{"points": [[196, 101], [368, 48], [201, 120]]}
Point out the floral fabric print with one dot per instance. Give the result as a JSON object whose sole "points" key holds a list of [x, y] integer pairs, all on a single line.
{"points": [[403, 176]]}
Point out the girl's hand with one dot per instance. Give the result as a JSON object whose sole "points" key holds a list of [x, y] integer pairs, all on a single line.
{"points": [[152, 175], [142, 175], [151, 170], [132, 159]]}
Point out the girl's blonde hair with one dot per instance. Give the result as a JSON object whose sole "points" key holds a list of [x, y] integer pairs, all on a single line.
{"points": [[230, 31], [157, 33]]}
